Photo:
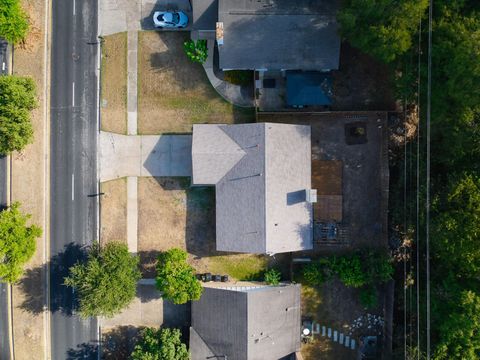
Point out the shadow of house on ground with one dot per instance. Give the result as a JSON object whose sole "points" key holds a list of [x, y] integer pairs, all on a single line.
{"points": [[61, 297]]}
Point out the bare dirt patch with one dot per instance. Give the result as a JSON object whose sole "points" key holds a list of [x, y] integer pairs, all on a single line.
{"points": [[361, 83], [28, 185], [173, 92], [113, 215], [114, 83]]}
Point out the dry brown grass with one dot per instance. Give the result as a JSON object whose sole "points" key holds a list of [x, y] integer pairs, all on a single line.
{"points": [[172, 214], [173, 92], [28, 185], [114, 83], [113, 215]]}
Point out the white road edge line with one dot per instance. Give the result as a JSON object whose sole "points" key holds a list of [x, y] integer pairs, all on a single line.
{"points": [[73, 187], [73, 7], [73, 94]]}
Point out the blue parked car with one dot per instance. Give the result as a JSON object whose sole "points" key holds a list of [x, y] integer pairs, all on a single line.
{"points": [[170, 19]]}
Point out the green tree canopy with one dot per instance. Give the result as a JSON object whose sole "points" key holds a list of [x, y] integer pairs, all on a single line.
{"points": [[13, 21], [456, 227], [160, 344], [17, 242], [106, 283], [17, 99], [459, 331], [381, 28], [176, 278]]}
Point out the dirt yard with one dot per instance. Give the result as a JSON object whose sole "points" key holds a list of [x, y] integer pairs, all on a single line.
{"points": [[173, 92], [114, 83], [361, 83], [322, 305], [28, 185], [172, 214], [113, 214]]}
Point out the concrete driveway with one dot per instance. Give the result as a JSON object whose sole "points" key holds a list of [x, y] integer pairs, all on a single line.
{"points": [[132, 15], [147, 155]]}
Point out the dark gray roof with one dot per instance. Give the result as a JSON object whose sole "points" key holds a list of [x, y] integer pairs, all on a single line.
{"points": [[260, 172], [257, 324], [205, 14], [279, 34]]}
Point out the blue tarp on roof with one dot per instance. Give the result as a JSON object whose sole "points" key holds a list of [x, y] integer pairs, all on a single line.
{"points": [[308, 88]]}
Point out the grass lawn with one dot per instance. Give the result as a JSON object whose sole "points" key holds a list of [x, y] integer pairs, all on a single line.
{"points": [[239, 267], [173, 92], [114, 83]]}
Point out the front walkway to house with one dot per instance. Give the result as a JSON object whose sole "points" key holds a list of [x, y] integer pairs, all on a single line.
{"points": [[230, 92]]}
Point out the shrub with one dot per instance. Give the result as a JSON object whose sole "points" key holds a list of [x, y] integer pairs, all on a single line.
{"points": [[176, 278], [316, 273], [238, 77], [272, 277], [368, 297], [196, 51], [349, 270], [377, 266]]}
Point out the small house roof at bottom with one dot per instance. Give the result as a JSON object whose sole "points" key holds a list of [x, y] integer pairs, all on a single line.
{"points": [[259, 323], [261, 173]]}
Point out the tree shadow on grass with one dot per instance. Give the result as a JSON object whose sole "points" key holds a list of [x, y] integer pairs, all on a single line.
{"points": [[62, 297], [119, 342]]}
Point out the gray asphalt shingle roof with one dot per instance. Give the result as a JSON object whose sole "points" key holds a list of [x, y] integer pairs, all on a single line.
{"points": [[260, 172], [279, 34], [258, 324]]}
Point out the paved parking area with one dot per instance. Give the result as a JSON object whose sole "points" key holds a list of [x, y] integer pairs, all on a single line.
{"points": [[133, 15], [148, 155]]}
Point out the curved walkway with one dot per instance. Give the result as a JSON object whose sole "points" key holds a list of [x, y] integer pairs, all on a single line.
{"points": [[230, 92]]}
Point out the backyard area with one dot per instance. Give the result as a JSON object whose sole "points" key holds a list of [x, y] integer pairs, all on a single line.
{"points": [[173, 92], [114, 83]]}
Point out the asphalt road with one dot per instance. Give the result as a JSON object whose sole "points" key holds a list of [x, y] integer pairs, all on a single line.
{"points": [[73, 167], [4, 333]]}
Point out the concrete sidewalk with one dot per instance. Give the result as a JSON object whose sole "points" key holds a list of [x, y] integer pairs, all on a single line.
{"points": [[147, 155]]}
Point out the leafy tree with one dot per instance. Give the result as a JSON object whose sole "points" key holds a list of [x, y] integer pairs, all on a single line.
{"points": [[196, 51], [17, 99], [176, 278], [455, 227], [459, 331], [381, 28], [160, 344], [272, 276], [17, 242], [106, 283], [13, 21]]}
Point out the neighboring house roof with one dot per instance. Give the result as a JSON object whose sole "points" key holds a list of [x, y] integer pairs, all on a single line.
{"points": [[279, 34], [260, 172], [305, 88], [256, 324], [205, 14]]}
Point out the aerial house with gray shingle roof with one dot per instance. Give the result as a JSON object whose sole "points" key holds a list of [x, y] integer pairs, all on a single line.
{"points": [[262, 178], [246, 323], [272, 34]]}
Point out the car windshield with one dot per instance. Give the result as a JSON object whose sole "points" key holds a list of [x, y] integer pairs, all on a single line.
{"points": [[175, 18]]}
